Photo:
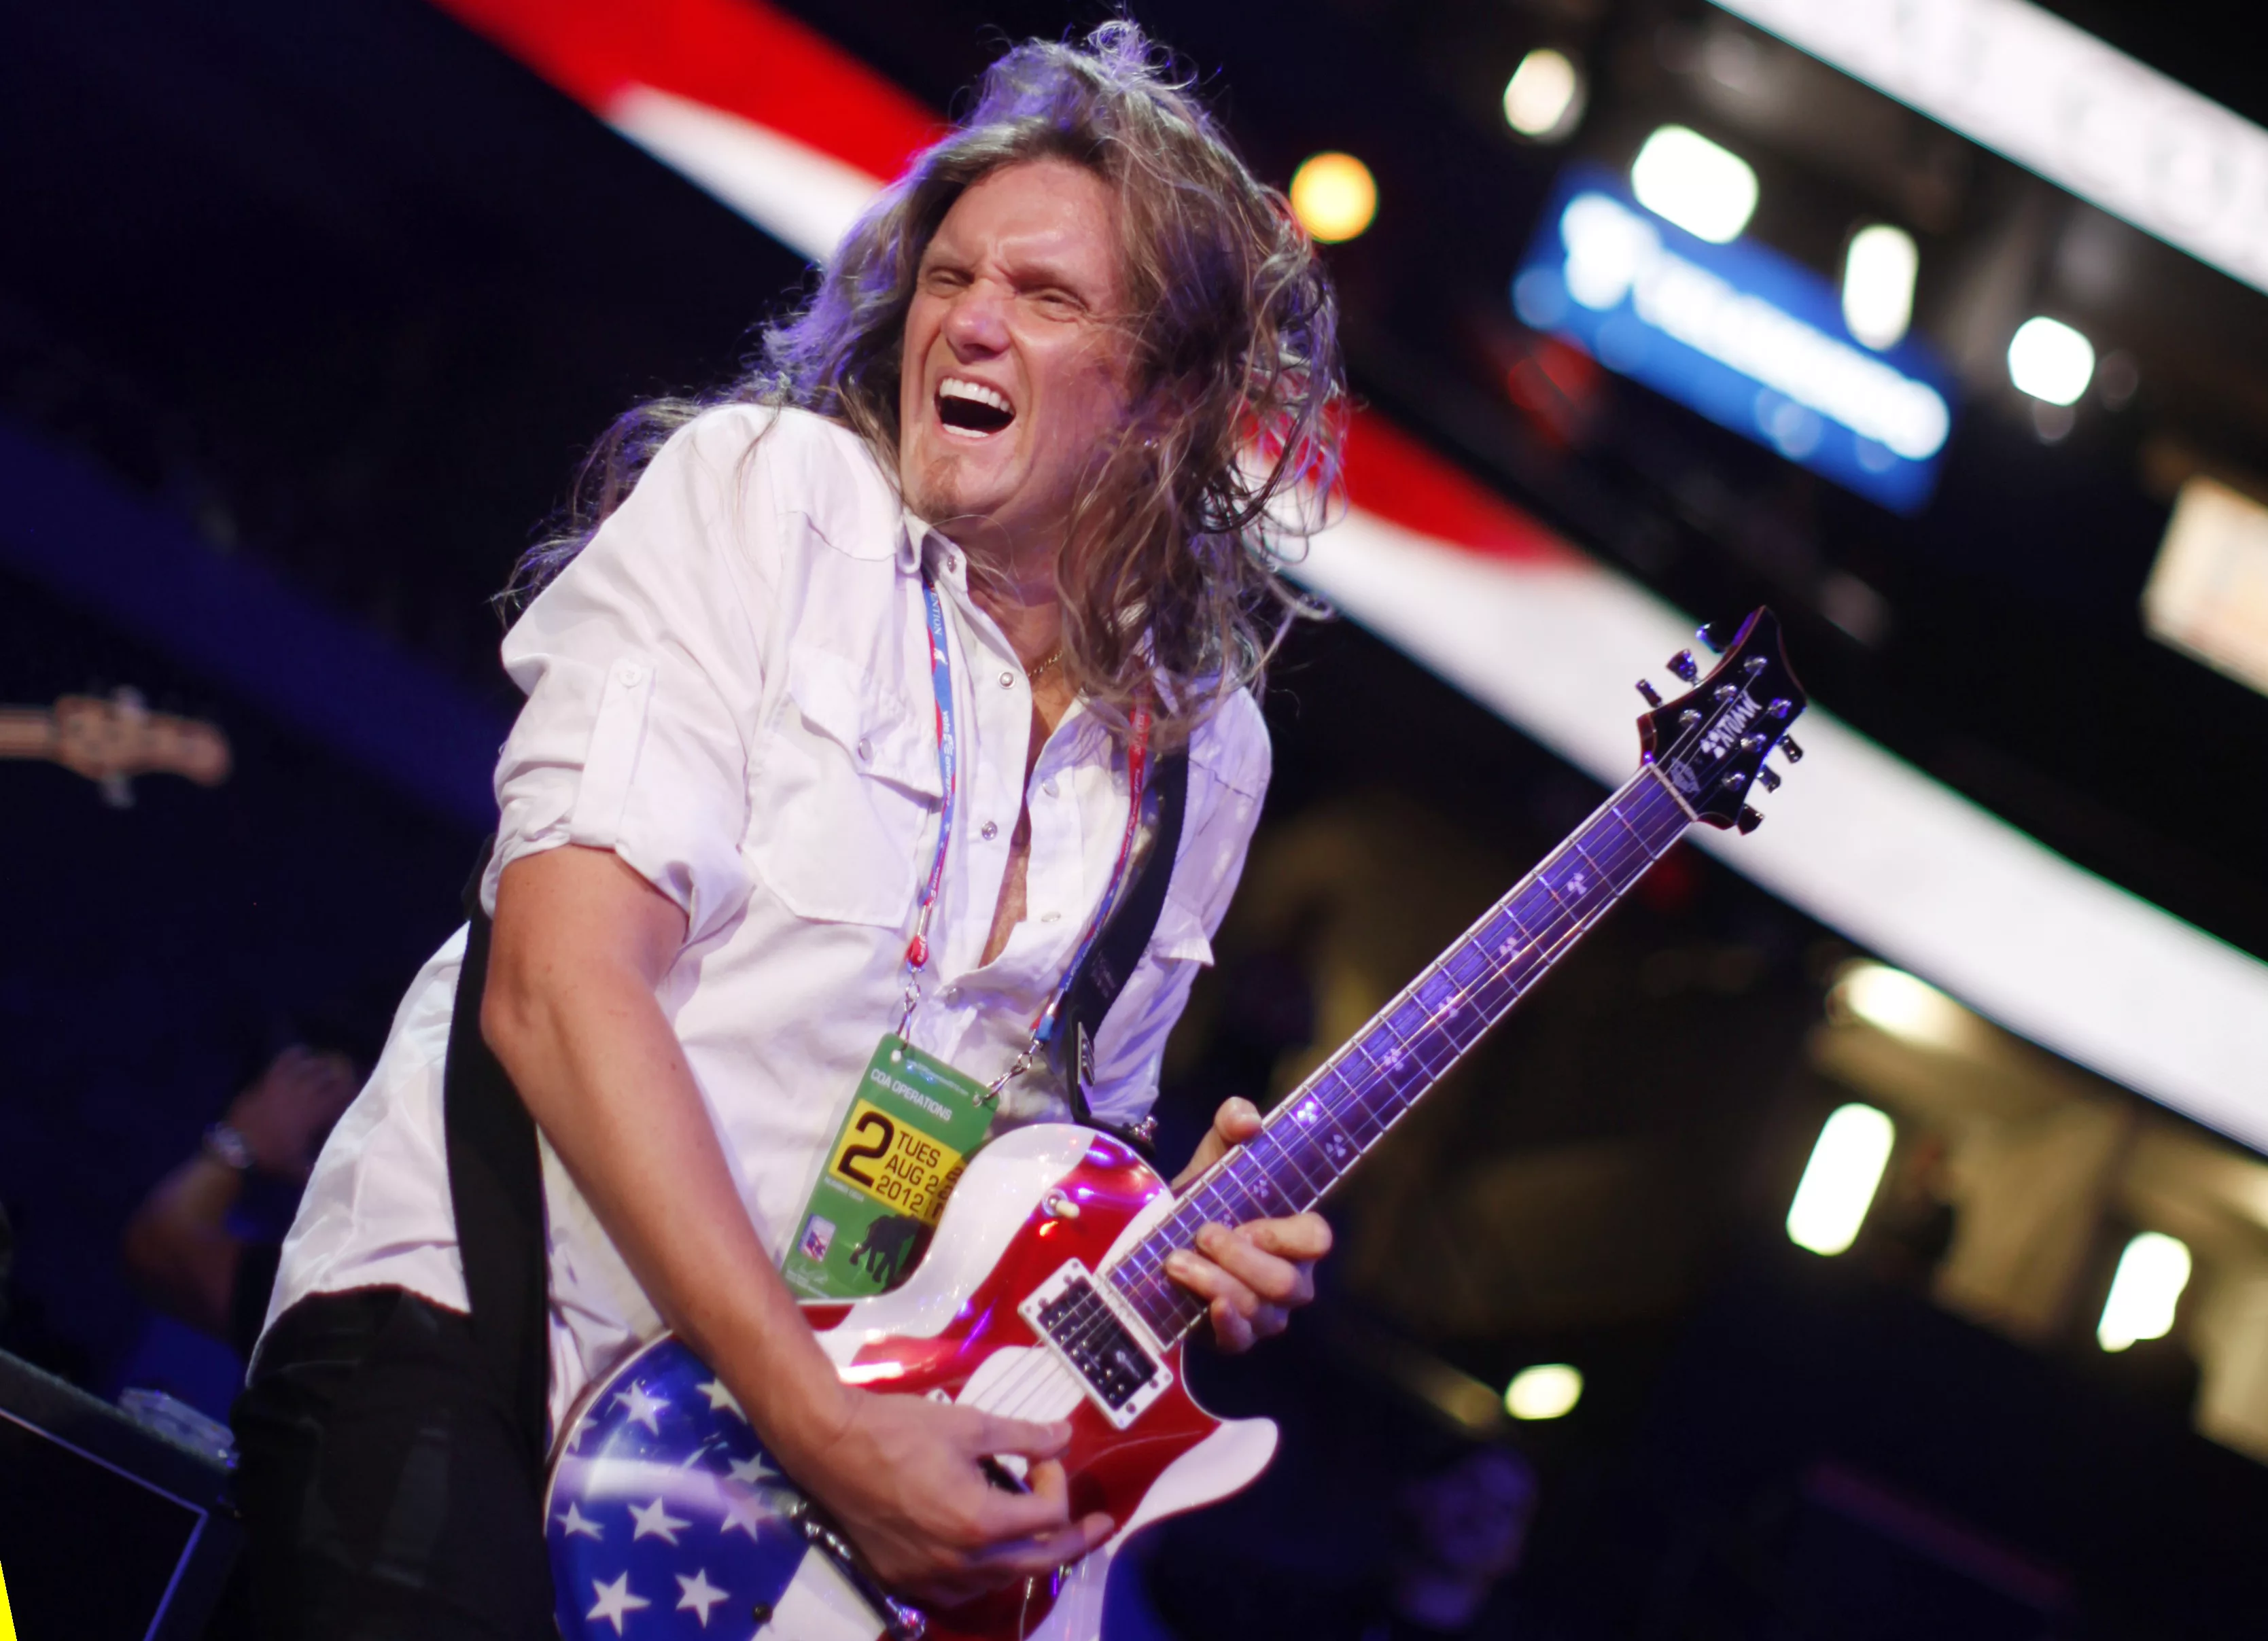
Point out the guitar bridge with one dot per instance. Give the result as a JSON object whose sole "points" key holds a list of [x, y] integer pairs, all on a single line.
{"points": [[1105, 1347]]}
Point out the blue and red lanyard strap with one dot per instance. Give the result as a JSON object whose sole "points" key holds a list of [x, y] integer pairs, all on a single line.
{"points": [[948, 774], [948, 770]]}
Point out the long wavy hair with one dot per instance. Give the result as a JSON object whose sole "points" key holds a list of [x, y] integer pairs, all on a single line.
{"points": [[1172, 571]]}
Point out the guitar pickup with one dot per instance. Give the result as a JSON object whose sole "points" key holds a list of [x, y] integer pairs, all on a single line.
{"points": [[1081, 1322]]}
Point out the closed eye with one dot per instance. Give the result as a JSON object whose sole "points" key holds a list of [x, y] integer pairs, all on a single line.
{"points": [[1057, 302]]}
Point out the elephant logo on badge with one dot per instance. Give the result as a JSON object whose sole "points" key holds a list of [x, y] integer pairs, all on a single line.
{"points": [[892, 1246]]}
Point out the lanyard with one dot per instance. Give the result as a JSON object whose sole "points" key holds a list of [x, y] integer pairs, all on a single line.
{"points": [[948, 772], [948, 750]]}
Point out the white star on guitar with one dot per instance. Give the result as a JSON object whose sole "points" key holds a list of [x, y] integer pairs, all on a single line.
{"points": [[655, 1521], [646, 1409], [720, 1399], [615, 1602], [700, 1594]]}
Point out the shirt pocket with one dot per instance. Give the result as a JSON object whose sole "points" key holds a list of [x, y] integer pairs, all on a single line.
{"points": [[847, 790]]}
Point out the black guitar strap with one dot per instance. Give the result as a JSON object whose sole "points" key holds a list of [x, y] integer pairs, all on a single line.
{"points": [[1111, 960], [496, 1172], [496, 1186]]}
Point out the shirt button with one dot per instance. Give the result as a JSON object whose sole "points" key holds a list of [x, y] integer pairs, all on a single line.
{"points": [[1051, 917], [991, 830], [866, 750], [628, 674], [1007, 680], [951, 994], [1049, 786]]}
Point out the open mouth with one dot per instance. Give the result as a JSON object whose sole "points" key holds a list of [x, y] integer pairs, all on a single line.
{"points": [[971, 408]]}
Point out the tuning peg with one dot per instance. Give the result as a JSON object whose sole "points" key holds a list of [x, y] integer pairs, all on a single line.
{"points": [[1653, 695], [1708, 637], [1747, 820], [1683, 665], [1769, 775], [1794, 752]]}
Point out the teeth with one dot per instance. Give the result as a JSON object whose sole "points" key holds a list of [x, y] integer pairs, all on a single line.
{"points": [[954, 388]]}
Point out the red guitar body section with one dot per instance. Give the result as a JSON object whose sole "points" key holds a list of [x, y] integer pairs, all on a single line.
{"points": [[1109, 1469]]}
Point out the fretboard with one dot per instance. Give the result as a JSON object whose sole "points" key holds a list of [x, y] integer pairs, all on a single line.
{"points": [[1315, 1137]]}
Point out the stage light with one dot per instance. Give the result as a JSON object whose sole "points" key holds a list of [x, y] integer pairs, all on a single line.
{"points": [[1544, 97], [2152, 1273], [1839, 1180], [1334, 196], [1549, 1390], [2050, 360], [1878, 284], [1893, 1001], [1710, 191], [2207, 594]]}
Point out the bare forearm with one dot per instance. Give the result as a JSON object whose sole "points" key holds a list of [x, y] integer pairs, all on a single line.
{"points": [[177, 1246], [605, 1077]]}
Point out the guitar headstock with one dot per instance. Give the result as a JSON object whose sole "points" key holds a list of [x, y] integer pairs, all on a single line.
{"points": [[1710, 741]]}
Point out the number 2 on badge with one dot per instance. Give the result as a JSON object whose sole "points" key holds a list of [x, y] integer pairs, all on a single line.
{"points": [[871, 1124]]}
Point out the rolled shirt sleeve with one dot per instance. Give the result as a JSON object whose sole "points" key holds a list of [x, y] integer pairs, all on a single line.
{"points": [[643, 666]]}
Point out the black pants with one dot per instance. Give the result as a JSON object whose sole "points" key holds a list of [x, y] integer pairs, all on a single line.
{"points": [[385, 1490]]}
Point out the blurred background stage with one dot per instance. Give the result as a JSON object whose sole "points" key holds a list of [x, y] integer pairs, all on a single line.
{"points": [[1867, 1233]]}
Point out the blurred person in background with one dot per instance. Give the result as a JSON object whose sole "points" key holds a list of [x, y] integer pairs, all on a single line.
{"points": [[190, 1250], [1459, 1533], [999, 506]]}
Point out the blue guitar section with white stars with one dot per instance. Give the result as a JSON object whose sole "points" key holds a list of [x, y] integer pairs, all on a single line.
{"points": [[666, 1514]]}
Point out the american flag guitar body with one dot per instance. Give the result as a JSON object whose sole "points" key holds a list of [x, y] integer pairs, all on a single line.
{"points": [[1043, 1294]]}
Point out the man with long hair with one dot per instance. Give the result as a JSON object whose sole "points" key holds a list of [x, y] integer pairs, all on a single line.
{"points": [[867, 648]]}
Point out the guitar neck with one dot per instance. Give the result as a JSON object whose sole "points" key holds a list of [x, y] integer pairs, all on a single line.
{"points": [[1315, 1137]]}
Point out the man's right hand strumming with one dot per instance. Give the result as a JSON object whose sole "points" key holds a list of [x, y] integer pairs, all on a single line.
{"points": [[906, 1478]]}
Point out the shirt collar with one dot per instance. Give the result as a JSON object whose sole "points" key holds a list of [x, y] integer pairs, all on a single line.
{"points": [[921, 543]]}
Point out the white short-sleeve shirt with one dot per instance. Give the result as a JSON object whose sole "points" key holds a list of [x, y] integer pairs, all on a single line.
{"points": [[730, 689]]}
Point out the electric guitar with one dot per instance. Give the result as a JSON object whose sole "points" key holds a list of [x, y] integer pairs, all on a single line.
{"points": [[1043, 1295]]}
